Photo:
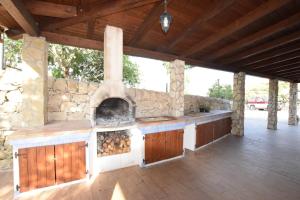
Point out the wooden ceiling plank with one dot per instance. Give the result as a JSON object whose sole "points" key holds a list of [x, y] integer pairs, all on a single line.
{"points": [[50, 9], [278, 59], [252, 16], [91, 28], [207, 15], [18, 11], [261, 48], [257, 36], [270, 67], [270, 54], [99, 9], [148, 22], [283, 68]]}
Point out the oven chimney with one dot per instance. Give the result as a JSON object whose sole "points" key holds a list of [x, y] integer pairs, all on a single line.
{"points": [[113, 54]]}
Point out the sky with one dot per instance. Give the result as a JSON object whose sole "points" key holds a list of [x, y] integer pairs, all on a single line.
{"points": [[154, 76]]}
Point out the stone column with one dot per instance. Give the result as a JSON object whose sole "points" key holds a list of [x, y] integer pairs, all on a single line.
{"points": [[273, 104], [293, 104], [177, 88], [238, 106], [35, 76]]}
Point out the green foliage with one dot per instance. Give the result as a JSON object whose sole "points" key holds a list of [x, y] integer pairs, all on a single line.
{"points": [[85, 64], [220, 91], [12, 52]]}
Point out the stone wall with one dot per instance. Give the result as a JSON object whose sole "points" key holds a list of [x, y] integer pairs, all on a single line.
{"points": [[192, 103], [69, 100]]}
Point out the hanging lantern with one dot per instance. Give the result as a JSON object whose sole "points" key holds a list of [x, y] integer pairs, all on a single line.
{"points": [[2, 64], [165, 18]]}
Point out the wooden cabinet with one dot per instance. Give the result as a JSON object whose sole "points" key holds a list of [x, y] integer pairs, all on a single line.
{"points": [[163, 145], [48, 165], [206, 133]]}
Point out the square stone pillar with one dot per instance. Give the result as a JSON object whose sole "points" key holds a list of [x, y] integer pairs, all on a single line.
{"points": [[273, 104], [35, 75], [238, 106], [177, 88], [293, 104]]}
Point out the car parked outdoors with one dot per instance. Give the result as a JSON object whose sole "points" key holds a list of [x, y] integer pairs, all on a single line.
{"points": [[259, 103]]}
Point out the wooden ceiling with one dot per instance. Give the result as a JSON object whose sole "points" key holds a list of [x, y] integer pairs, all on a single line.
{"points": [[259, 37]]}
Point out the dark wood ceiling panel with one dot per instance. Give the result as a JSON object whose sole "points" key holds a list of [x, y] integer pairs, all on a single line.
{"points": [[259, 37]]}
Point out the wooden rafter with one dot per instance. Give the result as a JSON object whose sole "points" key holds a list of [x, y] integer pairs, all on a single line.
{"points": [[261, 48], [278, 65], [257, 36], [50, 9], [18, 11], [148, 22], [237, 25], [278, 59], [287, 67], [91, 28], [269, 54], [99, 9], [208, 14]]}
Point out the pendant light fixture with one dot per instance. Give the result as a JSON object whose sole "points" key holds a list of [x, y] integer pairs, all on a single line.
{"points": [[165, 18]]}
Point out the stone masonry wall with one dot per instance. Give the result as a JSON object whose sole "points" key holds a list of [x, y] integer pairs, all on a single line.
{"points": [[238, 106], [69, 100], [192, 103], [273, 104], [293, 104]]}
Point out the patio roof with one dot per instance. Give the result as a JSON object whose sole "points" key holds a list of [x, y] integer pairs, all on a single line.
{"points": [[255, 36]]}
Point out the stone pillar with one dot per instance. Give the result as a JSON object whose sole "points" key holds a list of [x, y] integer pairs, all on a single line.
{"points": [[35, 77], [177, 88], [293, 104], [238, 106], [273, 104]]}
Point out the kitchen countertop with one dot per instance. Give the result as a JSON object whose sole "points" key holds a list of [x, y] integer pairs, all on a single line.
{"points": [[84, 128]]}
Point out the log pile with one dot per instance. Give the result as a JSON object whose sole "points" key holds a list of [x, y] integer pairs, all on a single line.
{"points": [[113, 142]]}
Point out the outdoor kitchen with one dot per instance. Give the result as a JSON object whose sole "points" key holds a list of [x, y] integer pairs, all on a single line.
{"points": [[114, 127]]}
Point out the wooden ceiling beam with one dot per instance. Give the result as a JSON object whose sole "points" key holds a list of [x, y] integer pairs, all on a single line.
{"points": [[252, 16], [257, 36], [50, 9], [150, 19], [261, 48], [276, 65], [278, 59], [91, 28], [270, 54], [282, 68], [19, 12], [99, 9], [208, 14]]}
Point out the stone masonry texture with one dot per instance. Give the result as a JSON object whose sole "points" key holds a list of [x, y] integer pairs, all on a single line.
{"points": [[273, 104], [238, 106], [293, 104]]}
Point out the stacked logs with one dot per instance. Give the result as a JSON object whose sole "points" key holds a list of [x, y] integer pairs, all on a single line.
{"points": [[113, 142]]}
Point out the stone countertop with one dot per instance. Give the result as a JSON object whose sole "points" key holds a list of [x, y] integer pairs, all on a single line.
{"points": [[82, 128]]}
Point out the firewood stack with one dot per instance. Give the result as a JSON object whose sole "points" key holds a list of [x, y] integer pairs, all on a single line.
{"points": [[113, 142]]}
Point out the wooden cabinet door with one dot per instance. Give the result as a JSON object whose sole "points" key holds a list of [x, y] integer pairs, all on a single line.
{"points": [[163, 145], [174, 144], [228, 125], [154, 147], [204, 134], [218, 129], [70, 162], [36, 167]]}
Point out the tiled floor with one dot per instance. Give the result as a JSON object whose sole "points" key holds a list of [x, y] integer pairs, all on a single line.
{"points": [[262, 165]]}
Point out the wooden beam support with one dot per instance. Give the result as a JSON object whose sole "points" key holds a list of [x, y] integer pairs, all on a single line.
{"points": [[50, 9], [257, 36], [261, 48], [99, 9], [148, 22], [290, 48], [259, 12], [18, 11], [91, 28], [207, 15], [279, 59], [281, 68]]}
